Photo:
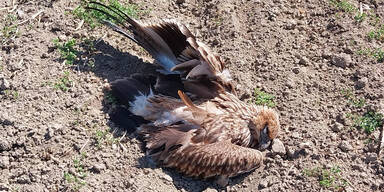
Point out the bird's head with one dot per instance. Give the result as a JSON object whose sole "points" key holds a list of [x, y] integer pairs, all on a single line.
{"points": [[265, 127]]}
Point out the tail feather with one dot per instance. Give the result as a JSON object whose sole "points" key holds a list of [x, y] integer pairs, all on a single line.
{"points": [[166, 41]]}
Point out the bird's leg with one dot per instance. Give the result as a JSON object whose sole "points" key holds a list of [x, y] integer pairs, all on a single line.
{"points": [[222, 180]]}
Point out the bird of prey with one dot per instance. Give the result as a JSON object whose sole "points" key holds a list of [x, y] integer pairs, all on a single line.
{"points": [[195, 122]]}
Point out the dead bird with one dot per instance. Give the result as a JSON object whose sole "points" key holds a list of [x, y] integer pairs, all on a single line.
{"points": [[195, 122]]}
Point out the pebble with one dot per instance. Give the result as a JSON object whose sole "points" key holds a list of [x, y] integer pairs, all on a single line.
{"points": [[4, 145], [290, 83], [342, 60], [357, 167], [49, 134], [305, 145], [345, 146], [371, 157], [333, 136], [296, 70], [303, 61], [180, 1], [4, 84], [291, 24], [296, 135], [210, 190], [337, 127], [370, 147], [21, 14], [361, 83], [290, 152], [97, 168], [4, 162], [62, 37], [167, 178], [278, 147], [23, 179], [263, 183], [129, 183]]}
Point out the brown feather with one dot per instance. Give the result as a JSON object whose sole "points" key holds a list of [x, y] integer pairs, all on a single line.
{"points": [[219, 158], [187, 101]]}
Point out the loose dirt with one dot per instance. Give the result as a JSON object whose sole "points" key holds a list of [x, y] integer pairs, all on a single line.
{"points": [[55, 132]]}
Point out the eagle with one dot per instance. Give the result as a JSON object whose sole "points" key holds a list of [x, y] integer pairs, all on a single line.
{"points": [[194, 120]]}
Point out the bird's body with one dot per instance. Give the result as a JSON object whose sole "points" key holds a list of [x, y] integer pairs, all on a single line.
{"points": [[212, 134]]}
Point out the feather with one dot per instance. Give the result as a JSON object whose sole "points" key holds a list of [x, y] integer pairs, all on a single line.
{"points": [[219, 158], [161, 141], [126, 120], [169, 85], [187, 101], [174, 47], [125, 90]]}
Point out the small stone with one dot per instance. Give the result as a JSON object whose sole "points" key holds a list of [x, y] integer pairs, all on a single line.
{"points": [[4, 84], [370, 147], [303, 61], [345, 146], [180, 1], [44, 56], [210, 190], [129, 183], [333, 136], [296, 70], [146, 171], [23, 179], [278, 147], [316, 157], [97, 168], [62, 37], [337, 127], [49, 134], [305, 145], [296, 135], [21, 14], [343, 119], [167, 178], [290, 152], [4, 162], [4, 145], [357, 167], [361, 83], [371, 157], [263, 184], [342, 60], [290, 83], [291, 24]]}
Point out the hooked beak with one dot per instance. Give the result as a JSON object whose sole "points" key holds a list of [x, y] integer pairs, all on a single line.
{"points": [[264, 139]]}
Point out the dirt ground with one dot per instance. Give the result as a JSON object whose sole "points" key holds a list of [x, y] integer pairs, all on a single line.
{"points": [[55, 131]]}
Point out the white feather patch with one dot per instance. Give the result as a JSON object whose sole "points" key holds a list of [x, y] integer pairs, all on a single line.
{"points": [[225, 75], [139, 105], [168, 118]]}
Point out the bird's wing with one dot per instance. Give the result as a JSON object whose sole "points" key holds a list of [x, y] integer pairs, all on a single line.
{"points": [[163, 141], [219, 158], [173, 146], [175, 48]]}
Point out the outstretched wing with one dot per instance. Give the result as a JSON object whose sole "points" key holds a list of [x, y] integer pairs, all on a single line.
{"points": [[175, 48]]}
